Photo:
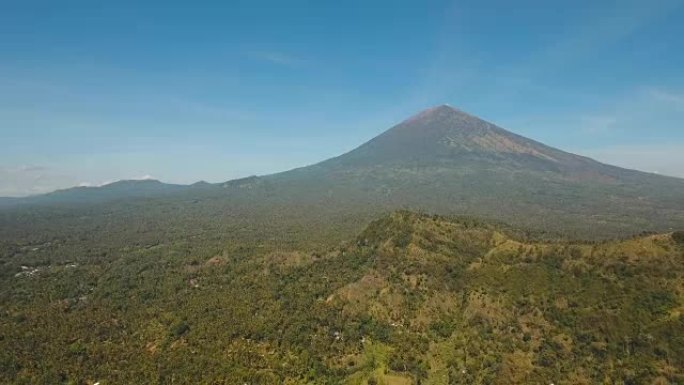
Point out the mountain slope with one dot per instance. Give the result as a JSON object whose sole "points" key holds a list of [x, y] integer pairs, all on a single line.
{"points": [[446, 135], [446, 161]]}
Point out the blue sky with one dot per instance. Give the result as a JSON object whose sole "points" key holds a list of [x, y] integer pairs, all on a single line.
{"points": [[95, 91]]}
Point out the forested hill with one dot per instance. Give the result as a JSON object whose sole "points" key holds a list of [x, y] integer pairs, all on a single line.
{"points": [[412, 299]]}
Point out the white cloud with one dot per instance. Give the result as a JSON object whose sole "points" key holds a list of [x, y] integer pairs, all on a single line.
{"points": [[109, 181]]}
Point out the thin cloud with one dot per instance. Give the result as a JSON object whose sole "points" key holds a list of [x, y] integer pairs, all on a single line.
{"points": [[276, 57], [666, 159], [605, 29], [32, 179], [676, 99], [575, 45], [597, 124], [30, 168], [110, 181]]}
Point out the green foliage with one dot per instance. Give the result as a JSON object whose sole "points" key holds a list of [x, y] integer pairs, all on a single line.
{"points": [[678, 237], [179, 329], [659, 302], [443, 328], [415, 299]]}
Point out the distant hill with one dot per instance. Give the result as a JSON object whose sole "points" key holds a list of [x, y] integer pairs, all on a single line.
{"points": [[441, 160], [124, 189]]}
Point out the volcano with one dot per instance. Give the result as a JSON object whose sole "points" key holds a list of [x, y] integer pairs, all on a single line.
{"points": [[447, 161], [446, 137], [441, 160]]}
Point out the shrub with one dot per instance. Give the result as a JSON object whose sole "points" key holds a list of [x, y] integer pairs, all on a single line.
{"points": [[179, 329], [678, 237]]}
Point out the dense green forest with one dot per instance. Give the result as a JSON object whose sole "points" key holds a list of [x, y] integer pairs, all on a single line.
{"points": [[411, 299]]}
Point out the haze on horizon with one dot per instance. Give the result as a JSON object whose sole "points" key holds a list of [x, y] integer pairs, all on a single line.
{"points": [[96, 92]]}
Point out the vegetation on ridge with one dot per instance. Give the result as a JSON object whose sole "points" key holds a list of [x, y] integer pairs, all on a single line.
{"points": [[412, 299]]}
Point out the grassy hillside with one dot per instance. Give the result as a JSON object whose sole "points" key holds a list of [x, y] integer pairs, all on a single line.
{"points": [[411, 299]]}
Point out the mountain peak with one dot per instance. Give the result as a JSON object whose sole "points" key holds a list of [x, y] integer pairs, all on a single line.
{"points": [[440, 111], [446, 135], [442, 108]]}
